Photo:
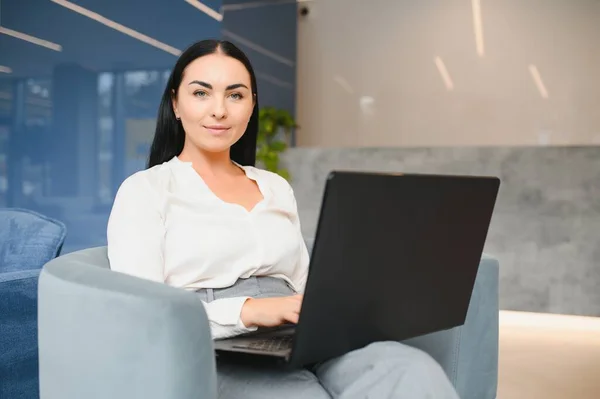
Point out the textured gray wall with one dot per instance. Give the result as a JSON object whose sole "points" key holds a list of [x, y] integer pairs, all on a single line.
{"points": [[546, 227]]}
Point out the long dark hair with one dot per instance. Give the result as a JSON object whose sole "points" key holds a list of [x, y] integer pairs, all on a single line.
{"points": [[169, 135]]}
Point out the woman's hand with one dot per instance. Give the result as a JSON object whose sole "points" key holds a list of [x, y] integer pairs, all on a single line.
{"points": [[271, 312]]}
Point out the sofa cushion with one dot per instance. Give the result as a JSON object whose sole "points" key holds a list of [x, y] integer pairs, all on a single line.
{"points": [[28, 240], [18, 339]]}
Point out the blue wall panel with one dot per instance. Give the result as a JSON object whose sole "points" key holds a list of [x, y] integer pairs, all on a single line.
{"points": [[75, 123], [267, 33]]}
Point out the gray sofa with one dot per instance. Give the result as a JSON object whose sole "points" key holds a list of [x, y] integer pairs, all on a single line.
{"points": [[104, 334]]}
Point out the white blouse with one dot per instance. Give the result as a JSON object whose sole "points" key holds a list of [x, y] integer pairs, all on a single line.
{"points": [[166, 225]]}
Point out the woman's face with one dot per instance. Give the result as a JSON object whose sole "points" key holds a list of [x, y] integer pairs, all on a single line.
{"points": [[214, 102]]}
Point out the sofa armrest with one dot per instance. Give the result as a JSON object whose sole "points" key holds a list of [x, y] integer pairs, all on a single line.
{"points": [[104, 334], [18, 334], [469, 353]]}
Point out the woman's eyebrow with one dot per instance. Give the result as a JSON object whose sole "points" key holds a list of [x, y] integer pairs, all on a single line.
{"points": [[209, 86]]}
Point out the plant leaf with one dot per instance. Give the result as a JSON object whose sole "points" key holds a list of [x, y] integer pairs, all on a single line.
{"points": [[271, 122], [278, 146], [283, 173]]}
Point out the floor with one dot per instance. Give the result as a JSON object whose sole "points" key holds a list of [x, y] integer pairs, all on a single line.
{"points": [[549, 356]]}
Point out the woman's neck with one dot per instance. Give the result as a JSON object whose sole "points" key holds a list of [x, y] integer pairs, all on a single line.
{"points": [[206, 163]]}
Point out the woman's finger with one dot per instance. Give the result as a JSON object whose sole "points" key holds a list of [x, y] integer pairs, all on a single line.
{"points": [[295, 307], [298, 298], [292, 317]]}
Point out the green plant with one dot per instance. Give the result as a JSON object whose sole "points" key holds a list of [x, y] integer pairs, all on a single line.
{"points": [[274, 132]]}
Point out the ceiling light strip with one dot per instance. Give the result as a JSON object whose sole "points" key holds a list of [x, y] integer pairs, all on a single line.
{"points": [[5, 69], [31, 39], [537, 79], [343, 83], [444, 73], [273, 80], [478, 27], [258, 48], [255, 4], [205, 9], [116, 26]]}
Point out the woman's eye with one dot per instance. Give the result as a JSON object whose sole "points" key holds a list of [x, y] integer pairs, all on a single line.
{"points": [[237, 96], [200, 93]]}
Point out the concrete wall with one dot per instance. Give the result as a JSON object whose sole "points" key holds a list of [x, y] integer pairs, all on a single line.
{"points": [[546, 227]]}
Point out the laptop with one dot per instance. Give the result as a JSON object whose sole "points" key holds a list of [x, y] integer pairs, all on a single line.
{"points": [[395, 256]]}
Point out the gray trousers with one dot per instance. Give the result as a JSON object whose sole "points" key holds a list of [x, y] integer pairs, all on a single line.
{"points": [[381, 370]]}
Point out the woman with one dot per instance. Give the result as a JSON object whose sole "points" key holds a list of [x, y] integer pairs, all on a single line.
{"points": [[203, 218]]}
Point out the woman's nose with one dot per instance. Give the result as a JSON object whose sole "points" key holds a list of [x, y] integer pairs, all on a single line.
{"points": [[219, 111]]}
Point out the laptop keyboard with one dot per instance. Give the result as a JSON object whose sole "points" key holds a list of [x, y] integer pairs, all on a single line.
{"points": [[274, 344]]}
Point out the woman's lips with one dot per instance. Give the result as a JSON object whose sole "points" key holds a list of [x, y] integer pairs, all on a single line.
{"points": [[216, 129]]}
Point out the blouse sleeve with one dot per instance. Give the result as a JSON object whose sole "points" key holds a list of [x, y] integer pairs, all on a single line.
{"points": [[135, 236], [135, 232]]}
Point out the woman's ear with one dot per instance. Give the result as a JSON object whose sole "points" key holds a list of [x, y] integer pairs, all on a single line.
{"points": [[174, 103]]}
